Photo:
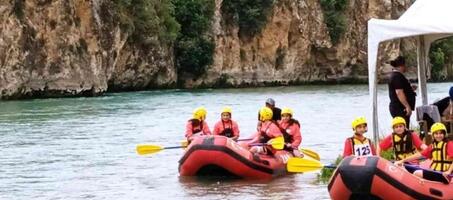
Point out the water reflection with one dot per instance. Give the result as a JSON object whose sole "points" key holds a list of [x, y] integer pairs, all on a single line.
{"points": [[219, 187]]}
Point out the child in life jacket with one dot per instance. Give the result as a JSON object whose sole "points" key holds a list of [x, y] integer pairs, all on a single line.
{"points": [[226, 126], [290, 128], [268, 130], [403, 141], [358, 144], [440, 152], [197, 125]]}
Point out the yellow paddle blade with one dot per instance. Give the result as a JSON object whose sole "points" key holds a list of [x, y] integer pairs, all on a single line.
{"points": [[277, 143], [184, 143], [310, 153], [143, 149], [302, 165]]}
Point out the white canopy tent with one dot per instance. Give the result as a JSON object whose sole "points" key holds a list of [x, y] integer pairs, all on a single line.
{"points": [[427, 20]]}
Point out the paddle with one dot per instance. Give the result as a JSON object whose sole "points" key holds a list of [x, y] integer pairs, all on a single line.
{"points": [[276, 143], [143, 149], [304, 150], [305, 165], [310, 153]]}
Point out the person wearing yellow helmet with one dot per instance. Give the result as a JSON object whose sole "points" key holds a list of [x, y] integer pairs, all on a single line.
{"points": [[268, 130], [276, 112], [404, 142], [226, 126], [358, 144], [440, 152], [290, 128], [197, 125]]}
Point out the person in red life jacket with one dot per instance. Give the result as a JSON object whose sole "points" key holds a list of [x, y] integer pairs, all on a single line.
{"points": [[440, 152], [197, 125], [358, 144], [226, 126], [276, 112], [403, 141], [291, 132], [268, 130]]}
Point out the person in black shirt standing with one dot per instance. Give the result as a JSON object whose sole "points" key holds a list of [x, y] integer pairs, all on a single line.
{"points": [[401, 93]]}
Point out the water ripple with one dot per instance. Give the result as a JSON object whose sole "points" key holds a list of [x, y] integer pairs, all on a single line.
{"points": [[84, 148]]}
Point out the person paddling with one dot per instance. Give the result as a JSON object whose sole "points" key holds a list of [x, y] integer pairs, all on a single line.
{"points": [[226, 126], [358, 144], [268, 130], [403, 141], [290, 128], [440, 151], [197, 125]]}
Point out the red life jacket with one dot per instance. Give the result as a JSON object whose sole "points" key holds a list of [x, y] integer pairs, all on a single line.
{"points": [[288, 137], [197, 126], [227, 132]]}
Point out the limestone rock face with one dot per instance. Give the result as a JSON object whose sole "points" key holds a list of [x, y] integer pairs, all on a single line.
{"points": [[76, 48], [72, 48], [295, 46]]}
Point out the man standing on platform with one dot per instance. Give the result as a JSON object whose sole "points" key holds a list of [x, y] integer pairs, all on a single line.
{"points": [[401, 93]]}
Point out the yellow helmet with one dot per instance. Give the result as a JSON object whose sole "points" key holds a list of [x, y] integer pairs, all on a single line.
{"points": [[227, 109], [398, 120], [358, 121], [438, 127], [287, 110], [199, 113], [265, 114]]}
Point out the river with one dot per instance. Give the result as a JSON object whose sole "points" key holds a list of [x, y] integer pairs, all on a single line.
{"points": [[84, 148]]}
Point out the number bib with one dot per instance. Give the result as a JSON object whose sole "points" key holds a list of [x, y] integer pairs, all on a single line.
{"points": [[362, 149]]}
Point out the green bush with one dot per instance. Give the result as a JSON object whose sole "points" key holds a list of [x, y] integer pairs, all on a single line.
{"points": [[145, 20], [326, 173], [441, 53], [334, 17], [194, 48], [437, 57], [18, 8], [193, 55], [249, 15]]}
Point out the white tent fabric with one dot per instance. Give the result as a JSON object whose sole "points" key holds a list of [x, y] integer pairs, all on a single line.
{"points": [[428, 20]]}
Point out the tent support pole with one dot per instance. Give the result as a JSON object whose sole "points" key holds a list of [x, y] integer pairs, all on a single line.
{"points": [[374, 114], [422, 61], [373, 85]]}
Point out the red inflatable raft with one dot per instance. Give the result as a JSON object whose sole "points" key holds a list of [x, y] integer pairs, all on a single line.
{"points": [[221, 156], [377, 178]]}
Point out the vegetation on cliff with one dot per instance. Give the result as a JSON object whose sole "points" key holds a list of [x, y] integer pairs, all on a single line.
{"points": [[146, 19], [181, 23], [440, 55], [249, 15], [194, 48], [334, 17]]}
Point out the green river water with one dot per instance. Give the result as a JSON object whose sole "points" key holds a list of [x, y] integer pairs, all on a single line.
{"points": [[84, 148]]}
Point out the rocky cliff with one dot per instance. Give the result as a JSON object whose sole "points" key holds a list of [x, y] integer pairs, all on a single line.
{"points": [[73, 48], [70, 48], [295, 47]]}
